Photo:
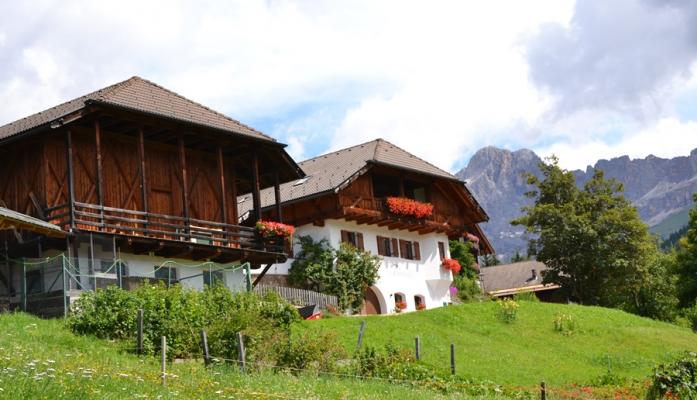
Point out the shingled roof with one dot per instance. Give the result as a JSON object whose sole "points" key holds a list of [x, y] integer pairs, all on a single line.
{"points": [[503, 280], [140, 95], [330, 171]]}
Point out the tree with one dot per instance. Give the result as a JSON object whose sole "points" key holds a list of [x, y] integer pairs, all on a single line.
{"points": [[686, 266], [591, 240], [518, 258], [346, 272], [490, 260], [462, 252]]}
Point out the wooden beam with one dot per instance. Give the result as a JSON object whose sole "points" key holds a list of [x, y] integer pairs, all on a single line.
{"points": [[143, 175], [277, 196], [261, 275], [221, 173], [256, 195], [185, 181], [98, 162], [71, 175]]}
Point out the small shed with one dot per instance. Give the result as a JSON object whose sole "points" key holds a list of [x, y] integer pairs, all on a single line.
{"points": [[521, 277]]}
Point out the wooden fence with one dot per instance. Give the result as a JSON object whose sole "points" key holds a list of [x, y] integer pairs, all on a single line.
{"points": [[300, 296]]}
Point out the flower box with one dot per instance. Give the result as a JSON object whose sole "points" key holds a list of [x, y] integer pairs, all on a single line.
{"points": [[409, 207], [269, 229], [421, 306], [451, 264], [400, 306]]}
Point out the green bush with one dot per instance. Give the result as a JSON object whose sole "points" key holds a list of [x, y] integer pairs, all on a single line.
{"points": [[467, 288], [526, 296], [508, 310], [564, 323], [180, 314], [675, 380], [318, 351]]}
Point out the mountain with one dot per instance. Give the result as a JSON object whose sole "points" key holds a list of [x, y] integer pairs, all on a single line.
{"points": [[660, 188]]}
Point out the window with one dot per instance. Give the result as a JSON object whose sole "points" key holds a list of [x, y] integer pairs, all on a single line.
{"points": [[388, 247], [385, 186], [212, 277], [409, 250], [441, 250], [419, 302], [166, 274], [353, 238], [415, 190]]}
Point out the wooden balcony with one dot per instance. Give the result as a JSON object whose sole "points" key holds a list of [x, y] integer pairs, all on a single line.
{"points": [[169, 236], [375, 211]]}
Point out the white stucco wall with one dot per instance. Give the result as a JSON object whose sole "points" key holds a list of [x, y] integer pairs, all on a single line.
{"points": [[423, 277]]}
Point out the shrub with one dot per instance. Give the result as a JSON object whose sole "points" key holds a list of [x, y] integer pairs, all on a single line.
{"points": [[467, 288], [181, 314], [675, 380], [508, 310], [313, 350], [526, 296]]}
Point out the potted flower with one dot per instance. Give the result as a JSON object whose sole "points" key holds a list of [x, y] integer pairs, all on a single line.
{"points": [[451, 264], [409, 208], [420, 306], [400, 306], [269, 229]]}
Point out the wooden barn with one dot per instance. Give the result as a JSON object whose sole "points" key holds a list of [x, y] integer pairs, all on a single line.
{"points": [[135, 171]]}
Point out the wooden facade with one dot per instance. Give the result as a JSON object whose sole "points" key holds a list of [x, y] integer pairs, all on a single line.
{"points": [[363, 200], [156, 185]]}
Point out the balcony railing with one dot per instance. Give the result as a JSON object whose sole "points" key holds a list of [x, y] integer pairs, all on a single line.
{"points": [[91, 217]]}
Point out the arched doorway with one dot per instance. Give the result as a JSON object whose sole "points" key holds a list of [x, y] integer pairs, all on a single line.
{"points": [[371, 303]]}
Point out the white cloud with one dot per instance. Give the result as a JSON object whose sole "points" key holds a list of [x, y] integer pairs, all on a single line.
{"points": [[668, 137]]}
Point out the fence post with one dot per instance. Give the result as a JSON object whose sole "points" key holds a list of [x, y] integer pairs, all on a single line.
{"points": [[452, 358], [241, 356], [543, 391], [204, 343], [248, 272], [360, 336], [140, 331], [164, 360], [65, 289], [417, 343], [24, 285]]}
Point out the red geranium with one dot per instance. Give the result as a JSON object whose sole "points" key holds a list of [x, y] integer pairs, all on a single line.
{"points": [[472, 238], [453, 265], [409, 207], [270, 228], [421, 306], [400, 305]]}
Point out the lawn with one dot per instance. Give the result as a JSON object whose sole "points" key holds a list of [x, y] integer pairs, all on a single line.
{"points": [[529, 350]]}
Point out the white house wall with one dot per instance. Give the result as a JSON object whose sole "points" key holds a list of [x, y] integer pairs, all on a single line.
{"points": [[423, 277]]}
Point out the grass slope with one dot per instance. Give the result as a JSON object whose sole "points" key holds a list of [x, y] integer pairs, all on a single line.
{"points": [[41, 359], [672, 223], [528, 350]]}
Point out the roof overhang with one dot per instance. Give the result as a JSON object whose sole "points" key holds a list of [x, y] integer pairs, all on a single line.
{"points": [[524, 289], [10, 219]]}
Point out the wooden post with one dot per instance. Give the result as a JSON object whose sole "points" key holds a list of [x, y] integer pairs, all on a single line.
{"points": [[452, 358], [277, 196], [241, 356], [98, 155], [417, 343], [71, 180], [221, 172], [185, 182], [256, 196], [163, 360], [204, 344], [143, 177], [543, 391], [140, 331], [360, 336]]}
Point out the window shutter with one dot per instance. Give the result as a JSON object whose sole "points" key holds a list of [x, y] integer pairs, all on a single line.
{"points": [[417, 252], [403, 248], [359, 241], [345, 237], [441, 250], [381, 246], [395, 248]]}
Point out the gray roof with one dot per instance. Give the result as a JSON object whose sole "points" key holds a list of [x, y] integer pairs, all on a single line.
{"points": [[330, 171], [10, 219], [140, 95], [514, 277]]}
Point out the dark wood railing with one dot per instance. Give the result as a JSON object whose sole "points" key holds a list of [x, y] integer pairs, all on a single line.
{"points": [[91, 217]]}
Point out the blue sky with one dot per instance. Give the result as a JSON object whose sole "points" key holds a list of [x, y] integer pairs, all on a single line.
{"points": [[581, 79]]}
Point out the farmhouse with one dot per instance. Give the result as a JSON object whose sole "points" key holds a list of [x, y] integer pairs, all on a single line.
{"points": [[363, 195], [129, 182]]}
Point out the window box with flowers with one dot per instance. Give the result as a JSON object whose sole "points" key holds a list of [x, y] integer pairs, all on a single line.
{"points": [[421, 306], [451, 264], [400, 306], [409, 208], [271, 229]]}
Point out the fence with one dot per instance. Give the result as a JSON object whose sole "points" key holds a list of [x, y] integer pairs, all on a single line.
{"points": [[48, 286], [300, 296]]}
